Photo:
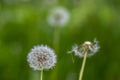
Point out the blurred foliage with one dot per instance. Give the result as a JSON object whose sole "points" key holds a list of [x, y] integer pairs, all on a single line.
{"points": [[23, 24]]}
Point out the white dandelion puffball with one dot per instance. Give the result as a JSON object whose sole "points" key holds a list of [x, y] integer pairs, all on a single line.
{"points": [[91, 48], [41, 57], [58, 17]]}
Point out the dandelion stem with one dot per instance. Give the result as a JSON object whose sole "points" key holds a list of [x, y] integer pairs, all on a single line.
{"points": [[83, 66], [41, 74], [56, 37]]}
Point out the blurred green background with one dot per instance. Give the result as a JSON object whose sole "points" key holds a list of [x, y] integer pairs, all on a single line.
{"points": [[23, 24]]}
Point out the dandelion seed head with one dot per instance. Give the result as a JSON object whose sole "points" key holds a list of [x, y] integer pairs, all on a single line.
{"points": [[41, 57], [87, 43], [88, 46], [58, 17]]}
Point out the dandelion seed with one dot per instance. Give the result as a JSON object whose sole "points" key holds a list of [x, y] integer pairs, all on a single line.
{"points": [[88, 46], [58, 17], [41, 57]]}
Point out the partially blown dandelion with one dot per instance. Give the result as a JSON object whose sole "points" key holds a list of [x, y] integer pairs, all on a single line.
{"points": [[41, 57], [85, 50], [89, 47]]}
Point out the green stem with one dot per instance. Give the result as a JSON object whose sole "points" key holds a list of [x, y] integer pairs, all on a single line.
{"points": [[56, 37], [41, 74], [83, 66]]}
